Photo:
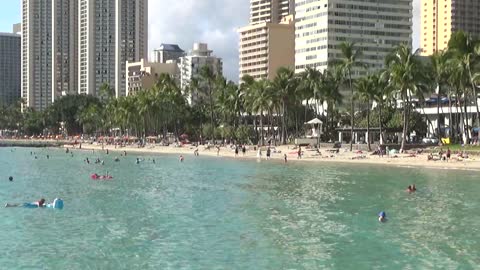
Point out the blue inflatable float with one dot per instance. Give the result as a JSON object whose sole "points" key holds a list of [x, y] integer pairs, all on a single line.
{"points": [[56, 204]]}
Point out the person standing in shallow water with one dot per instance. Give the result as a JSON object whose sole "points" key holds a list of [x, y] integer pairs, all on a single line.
{"points": [[244, 150], [268, 153], [285, 158]]}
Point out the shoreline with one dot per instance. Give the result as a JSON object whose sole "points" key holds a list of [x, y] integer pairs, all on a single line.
{"points": [[402, 160]]}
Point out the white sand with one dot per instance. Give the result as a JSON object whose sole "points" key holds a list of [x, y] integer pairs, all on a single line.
{"points": [[402, 160]]}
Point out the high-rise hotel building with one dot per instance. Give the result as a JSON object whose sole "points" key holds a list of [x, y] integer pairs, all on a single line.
{"points": [[375, 26], [64, 47], [111, 33], [268, 42], [440, 18], [10, 81], [75, 46], [272, 11], [37, 53]]}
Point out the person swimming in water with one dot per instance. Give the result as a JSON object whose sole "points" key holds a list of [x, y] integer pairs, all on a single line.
{"points": [[382, 216], [37, 204], [10, 178], [181, 158], [138, 161]]}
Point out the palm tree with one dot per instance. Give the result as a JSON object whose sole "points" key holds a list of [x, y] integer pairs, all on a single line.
{"points": [[459, 80], [406, 76], [331, 82], [439, 64], [348, 61], [466, 48], [366, 92], [381, 93], [259, 101], [310, 86], [207, 77], [106, 92], [285, 84]]}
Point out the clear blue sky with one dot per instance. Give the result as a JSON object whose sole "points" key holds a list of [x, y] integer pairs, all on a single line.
{"points": [[9, 14]]}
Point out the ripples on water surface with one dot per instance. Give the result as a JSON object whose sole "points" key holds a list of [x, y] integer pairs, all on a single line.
{"points": [[212, 213]]}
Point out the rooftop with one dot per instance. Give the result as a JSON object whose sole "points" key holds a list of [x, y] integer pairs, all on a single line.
{"points": [[9, 35], [169, 47]]}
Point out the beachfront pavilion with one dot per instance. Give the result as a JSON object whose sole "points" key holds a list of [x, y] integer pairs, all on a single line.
{"points": [[361, 136], [457, 121]]}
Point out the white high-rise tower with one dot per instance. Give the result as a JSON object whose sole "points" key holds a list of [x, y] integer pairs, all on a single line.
{"points": [[37, 53], [111, 33], [375, 26]]}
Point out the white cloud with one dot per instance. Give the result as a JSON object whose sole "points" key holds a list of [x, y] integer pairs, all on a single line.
{"points": [[211, 21]]}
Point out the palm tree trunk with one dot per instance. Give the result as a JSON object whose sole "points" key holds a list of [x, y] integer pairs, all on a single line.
{"points": [[306, 107], [475, 97], [438, 113], [262, 140], [380, 123], [450, 121], [284, 128], [465, 127], [405, 120], [368, 126], [352, 108]]}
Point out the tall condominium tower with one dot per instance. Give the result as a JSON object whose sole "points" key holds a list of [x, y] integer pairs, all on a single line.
{"points": [[75, 46], [271, 11], [10, 58], [111, 33], [268, 42], [37, 53], [375, 26], [64, 47], [440, 19]]}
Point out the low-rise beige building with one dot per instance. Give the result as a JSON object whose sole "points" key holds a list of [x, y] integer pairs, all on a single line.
{"points": [[265, 47], [144, 75]]}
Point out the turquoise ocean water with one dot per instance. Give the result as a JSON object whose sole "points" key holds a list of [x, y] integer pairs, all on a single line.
{"points": [[215, 213]]}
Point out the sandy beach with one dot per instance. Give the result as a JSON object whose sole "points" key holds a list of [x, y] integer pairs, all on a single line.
{"points": [[278, 152]]}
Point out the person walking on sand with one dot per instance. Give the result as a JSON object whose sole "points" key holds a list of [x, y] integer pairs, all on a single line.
{"points": [[244, 150], [299, 153], [218, 150], [449, 153], [268, 153], [236, 150], [285, 158]]}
